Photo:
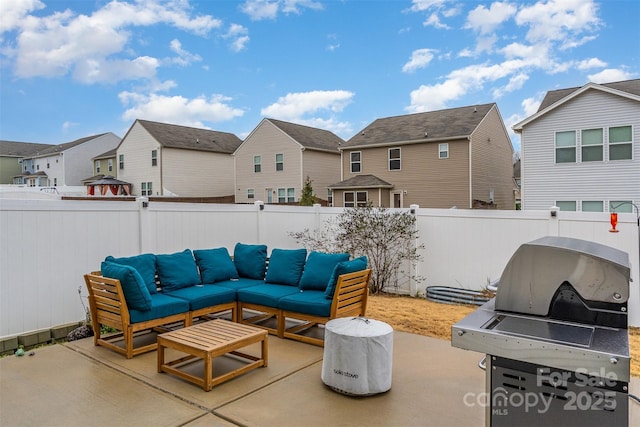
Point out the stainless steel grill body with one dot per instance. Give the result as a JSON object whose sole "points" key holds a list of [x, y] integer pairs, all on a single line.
{"points": [[560, 312]]}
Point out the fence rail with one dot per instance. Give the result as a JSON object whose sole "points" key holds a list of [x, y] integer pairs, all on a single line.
{"points": [[47, 245]]}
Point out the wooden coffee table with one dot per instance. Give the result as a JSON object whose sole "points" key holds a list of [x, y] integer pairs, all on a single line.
{"points": [[208, 340]]}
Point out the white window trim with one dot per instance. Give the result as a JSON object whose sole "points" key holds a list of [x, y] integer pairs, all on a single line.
{"points": [[351, 162], [446, 150], [279, 162]]}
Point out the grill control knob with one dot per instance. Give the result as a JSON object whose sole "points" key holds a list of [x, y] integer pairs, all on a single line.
{"points": [[614, 360]]}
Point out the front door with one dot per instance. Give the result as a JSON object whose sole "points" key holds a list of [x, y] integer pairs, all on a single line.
{"points": [[269, 192], [396, 200]]}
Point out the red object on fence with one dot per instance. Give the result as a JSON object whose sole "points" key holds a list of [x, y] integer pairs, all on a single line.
{"points": [[614, 222]]}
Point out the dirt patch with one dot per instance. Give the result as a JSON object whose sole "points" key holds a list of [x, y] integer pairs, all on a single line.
{"points": [[432, 319]]}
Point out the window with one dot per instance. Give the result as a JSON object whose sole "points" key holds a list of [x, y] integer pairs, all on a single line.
{"points": [[355, 198], [55, 182], [592, 206], [443, 151], [286, 195], [154, 157], [566, 147], [356, 161], [97, 166], [47, 164], [110, 165], [621, 206], [121, 161], [146, 189], [620, 143], [330, 197], [251, 193], [279, 162], [566, 205], [592, 144], [394, 159], [257, 164]]}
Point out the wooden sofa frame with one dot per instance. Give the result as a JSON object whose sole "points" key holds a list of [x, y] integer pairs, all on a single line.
{"points": [[349, 299], [108, 307]]}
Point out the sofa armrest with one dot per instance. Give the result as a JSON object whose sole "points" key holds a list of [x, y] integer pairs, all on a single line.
{"points": [[350, 297]]}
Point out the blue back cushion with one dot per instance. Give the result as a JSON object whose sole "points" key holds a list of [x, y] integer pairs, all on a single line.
{"points": [[318, 269], [285, 266], [344, 268], [215, 265], [250, 260], [177, 270], [135, 291], [146, 266]]}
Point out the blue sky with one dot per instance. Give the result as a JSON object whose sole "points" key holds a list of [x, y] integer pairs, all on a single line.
{"points": [[70, 69]]}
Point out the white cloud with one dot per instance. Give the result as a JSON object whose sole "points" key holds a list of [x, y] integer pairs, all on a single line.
{"points": [[515, 82], [259, 10], [559, 20], [65, 42], [420, 58], [184, 58], [239, 37], [296, 105], [485, 21], [13, 12], [178, 109], [587, 64], [611, 75], [422, 5], [68, 125], [531, 105], [434, 21]]}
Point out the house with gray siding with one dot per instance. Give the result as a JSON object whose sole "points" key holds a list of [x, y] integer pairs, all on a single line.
{"points": [[458, 157], [65, 164], [581, 149], [276, 158], [162, 159], [12, 156]]}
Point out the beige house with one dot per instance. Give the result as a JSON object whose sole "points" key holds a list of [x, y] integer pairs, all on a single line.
{"points": [[161, 159], [274, 161], [460, 157]]}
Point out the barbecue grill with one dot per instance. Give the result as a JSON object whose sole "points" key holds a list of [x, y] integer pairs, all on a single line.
{"points": [[555, 336]]}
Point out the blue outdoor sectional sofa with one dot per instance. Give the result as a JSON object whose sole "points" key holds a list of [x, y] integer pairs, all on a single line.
{"points": [[287, 293]]}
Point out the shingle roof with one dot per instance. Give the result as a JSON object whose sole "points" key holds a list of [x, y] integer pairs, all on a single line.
{"points": [[362, 181], [106, 154], [432, 125], [21, 149], [188, 138], [62, 147], [308, 137], [553, 96]]}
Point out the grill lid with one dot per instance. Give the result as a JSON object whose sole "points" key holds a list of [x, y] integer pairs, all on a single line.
{"points": [[561, 268]]}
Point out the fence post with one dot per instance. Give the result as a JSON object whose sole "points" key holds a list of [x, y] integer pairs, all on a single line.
{"points": [[143, 224], [553, 228], [413, 285], [259, 204]]}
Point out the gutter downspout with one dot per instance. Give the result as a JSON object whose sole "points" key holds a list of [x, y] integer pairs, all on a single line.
{"points": [[470, 173]]}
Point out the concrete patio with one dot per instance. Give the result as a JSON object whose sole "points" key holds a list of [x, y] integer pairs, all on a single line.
{"points": [[77, 384]]}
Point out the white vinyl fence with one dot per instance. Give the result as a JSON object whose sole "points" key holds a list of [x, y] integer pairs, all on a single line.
{"points": [[47, 245]]}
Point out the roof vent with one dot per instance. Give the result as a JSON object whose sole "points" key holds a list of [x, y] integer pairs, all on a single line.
{"points": [[197, 141], [426, 134], [475, 110]]}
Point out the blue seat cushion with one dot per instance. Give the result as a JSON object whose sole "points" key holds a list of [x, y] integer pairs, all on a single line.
{"points": [[161, 306], [177, 270], [146, 266], [250, 260], [285, 266], [215, 265], [266, 294], [202, 296], [307, 302], [318, 269], [135, 291], [242, 282], [344, 268]]}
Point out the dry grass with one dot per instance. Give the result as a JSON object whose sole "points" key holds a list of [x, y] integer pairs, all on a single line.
{"points": [[423, 317]]}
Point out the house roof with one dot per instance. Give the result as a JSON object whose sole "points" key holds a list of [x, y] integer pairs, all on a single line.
{"points": [[453, 123], [188, 138], [361, 181], [308, 137], [106, 154], [21, 149], [555, 98], [54, 149]]}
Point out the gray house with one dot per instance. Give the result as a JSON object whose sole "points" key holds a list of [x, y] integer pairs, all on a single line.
{"points": [[581, 150], [12, 154]]}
